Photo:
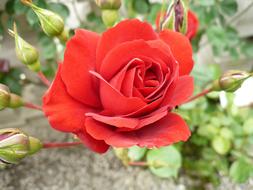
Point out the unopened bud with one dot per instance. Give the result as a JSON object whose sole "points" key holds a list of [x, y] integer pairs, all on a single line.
{"points": [[51, 23], [26, 53], [176, 17], [108, 4], [4, 96], [15, 145], [231, 81]]}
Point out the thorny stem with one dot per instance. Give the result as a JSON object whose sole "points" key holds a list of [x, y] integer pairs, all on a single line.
{"points": [[44, 79], [203, 93], [32, 106], [61, 145]]}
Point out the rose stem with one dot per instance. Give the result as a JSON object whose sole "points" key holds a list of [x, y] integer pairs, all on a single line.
{"points": [[43, 79], [203, 93], [61, 145], [138, 164], [32, 106]]}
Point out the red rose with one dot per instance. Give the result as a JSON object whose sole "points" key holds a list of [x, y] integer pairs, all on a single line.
{"points": [[192, 25], [118, 88]]}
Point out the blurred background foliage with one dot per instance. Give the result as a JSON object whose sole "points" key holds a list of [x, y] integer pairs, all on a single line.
{"points": [[222, 134]]}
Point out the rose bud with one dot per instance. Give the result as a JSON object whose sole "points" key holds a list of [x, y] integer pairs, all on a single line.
{"points": [[4, 96], [52, 24], [109, 11], [176, 17], [15, 145], [108, 4], [231, 81], [25, 52]]}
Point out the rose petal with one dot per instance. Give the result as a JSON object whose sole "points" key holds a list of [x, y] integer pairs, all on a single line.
{"points": [[79, 59], [181, 50], [98, 146], [169, 130], [125, 31], [124, 53], [113, 101], [68, 115], [180, 91]]}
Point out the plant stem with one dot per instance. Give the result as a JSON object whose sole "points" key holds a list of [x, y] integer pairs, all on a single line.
{"points": [[44, 79], [138, 164], [32, 106], [203, 93], [61, 145]]}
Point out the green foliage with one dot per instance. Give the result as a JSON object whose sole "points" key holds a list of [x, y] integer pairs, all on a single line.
{"points": [[136, 153], [164, 162], [240, 171]]}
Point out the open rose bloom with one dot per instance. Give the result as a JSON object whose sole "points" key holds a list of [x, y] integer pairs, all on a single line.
{"points": [[120, 88]]}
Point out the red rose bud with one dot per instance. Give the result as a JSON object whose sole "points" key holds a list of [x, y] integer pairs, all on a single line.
{"points": [[15, 145], [108, 4], [176, 17], [231, 81], [25, 52], [52, 24], [4, 96]]}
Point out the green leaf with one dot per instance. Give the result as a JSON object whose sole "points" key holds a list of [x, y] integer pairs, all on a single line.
{"points": [[155, 8], [240, 171], [20, 8], [217, 37], [60, 9], [31, 17], [136, 153], [1, 28], [48, 47], [209, 131], [207, 2], [248, 127], [229, 7], [221, 145], [9, 7], [247, 49], [141, 6], [226, 133], [164, 162]]}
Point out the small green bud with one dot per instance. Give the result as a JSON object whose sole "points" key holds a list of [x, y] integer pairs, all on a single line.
{"points": [[109, 17], [176, 17], [51, 23], [15, 145], [4, 96], [231, 81], [25, 52], [15, 101], [108, 4]]}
